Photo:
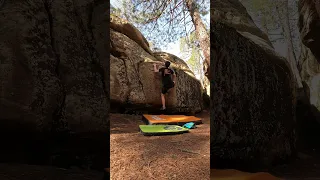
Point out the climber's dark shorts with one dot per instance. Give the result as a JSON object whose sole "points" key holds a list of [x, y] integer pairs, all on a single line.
{"points": [[166, 88]]}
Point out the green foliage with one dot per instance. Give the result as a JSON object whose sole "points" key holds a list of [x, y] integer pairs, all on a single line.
{"points": [[116, 12], [162, 21], [193, 37], [190, 43], [183, 43], [194, 60]]}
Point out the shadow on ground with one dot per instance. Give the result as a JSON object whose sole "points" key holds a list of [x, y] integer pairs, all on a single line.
{"points": [[34, 172], [36, 155], [135, 156], [306, 164]]}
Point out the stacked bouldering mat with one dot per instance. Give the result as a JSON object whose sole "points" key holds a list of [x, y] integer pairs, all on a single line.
{"points": [[170, 119]]}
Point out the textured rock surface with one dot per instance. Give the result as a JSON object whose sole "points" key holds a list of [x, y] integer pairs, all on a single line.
{"points": [[309, 26], [308, 100], [252, 95], [53, 67], [234, 14], [50, 67], [124, 27], [133, 81]]}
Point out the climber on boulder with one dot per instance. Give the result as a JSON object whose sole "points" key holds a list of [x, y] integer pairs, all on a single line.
{"points": [[168, 80]]}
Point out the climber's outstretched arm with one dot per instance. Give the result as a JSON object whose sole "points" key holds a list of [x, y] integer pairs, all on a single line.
{"points": [[174, 77], [155, 67]]}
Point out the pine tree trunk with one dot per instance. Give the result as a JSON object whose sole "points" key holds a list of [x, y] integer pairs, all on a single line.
{"points": [[201, 70], [201, 31], [287, 33]]}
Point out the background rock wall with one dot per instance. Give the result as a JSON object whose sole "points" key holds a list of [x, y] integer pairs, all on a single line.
{"points": [[53, 71], [253, 95]]}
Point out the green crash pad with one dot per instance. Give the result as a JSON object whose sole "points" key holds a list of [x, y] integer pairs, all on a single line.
{"points": [[161, 129]]}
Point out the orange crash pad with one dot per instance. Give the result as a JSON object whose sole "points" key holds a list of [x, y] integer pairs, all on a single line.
{"points": [[231, 174], [171, 119]]}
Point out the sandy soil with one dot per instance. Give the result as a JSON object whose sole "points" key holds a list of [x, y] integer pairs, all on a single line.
{"points": [[135, 156], [34, 172], [305, 166]]}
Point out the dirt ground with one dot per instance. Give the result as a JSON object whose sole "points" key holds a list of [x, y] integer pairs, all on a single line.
{"points": [[135, 156], [305, 166], [35, 172], [184, 156]]}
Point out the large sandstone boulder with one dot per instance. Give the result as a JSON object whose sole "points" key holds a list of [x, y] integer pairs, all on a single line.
{"points": [[124, 27], [309, 20], [53, 64], [51, 69], [308, 104], [252, 93], [133, 81]]}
